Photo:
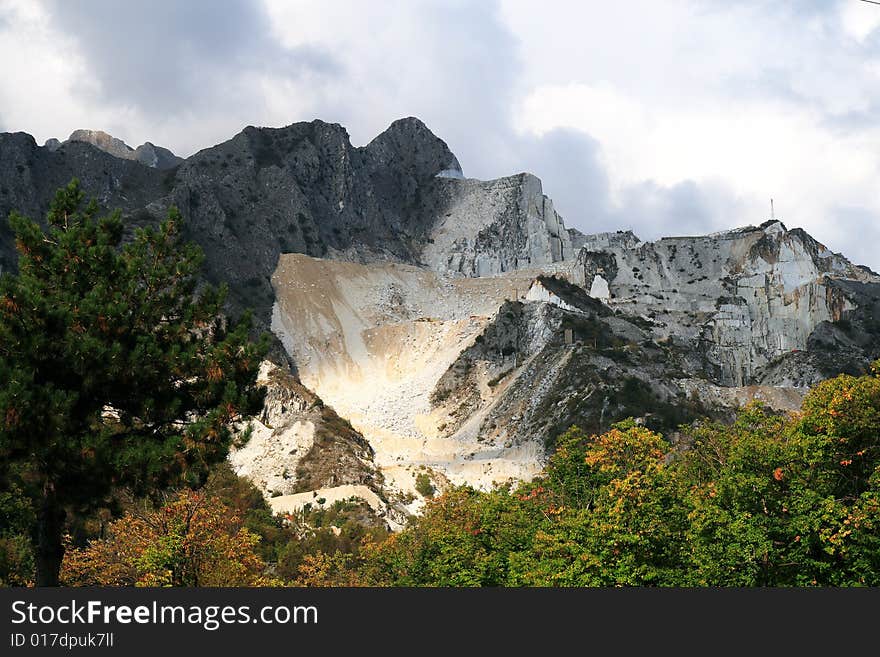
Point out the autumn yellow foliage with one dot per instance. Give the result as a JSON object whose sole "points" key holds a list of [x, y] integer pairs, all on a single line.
{"points": [[193, 540]]}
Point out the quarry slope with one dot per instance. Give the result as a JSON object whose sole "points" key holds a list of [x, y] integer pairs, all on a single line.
{"points": [[374, 340]]}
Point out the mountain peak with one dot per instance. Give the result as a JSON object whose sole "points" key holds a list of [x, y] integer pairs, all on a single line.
{"points": [[107, 143], [147, 153], [410, 139], [409, 124]]}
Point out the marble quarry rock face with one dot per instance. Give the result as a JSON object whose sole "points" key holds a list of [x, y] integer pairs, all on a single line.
{"points": [[491, 227], [742, 298]]}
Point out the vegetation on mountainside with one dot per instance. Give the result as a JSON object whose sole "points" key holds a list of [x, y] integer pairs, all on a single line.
{"points": [[192, 540]]}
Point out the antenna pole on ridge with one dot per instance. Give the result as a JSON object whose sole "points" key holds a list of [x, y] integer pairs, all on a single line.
{"points": [[772, 213]]}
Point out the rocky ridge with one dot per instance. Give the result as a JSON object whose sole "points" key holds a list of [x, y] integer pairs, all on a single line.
{"points": [[147, 154], [302, 188], [744, 298]]}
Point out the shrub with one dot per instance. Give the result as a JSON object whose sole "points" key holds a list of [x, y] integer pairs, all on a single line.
{"points": [[424, 486]]}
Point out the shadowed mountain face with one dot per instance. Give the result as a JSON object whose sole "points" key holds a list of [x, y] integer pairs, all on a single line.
{"points": [[30, 175], [302, 188], [306, 189]]}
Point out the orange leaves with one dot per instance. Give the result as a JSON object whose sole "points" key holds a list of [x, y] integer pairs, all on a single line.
{"points": [[10, 305], [215, 373], [193, 540], [778, 474], [12, 417], [532, 494], [625, 448]]}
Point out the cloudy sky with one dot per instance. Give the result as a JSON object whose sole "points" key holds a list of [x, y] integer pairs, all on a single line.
{"points": [[667, 118]]}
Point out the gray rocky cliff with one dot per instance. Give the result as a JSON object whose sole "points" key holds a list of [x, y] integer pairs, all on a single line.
{"points": [[491, 227], [743, 298], [156, 157], [305, 189]]}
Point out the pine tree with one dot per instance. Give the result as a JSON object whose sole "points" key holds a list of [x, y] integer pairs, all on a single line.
{"points": [[117, 366]]}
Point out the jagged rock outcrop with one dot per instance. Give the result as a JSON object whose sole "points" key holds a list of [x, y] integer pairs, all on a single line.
{"points": [[107, 143], [305, 189], [299, 452], [299, 444], [156, 157], [743, 298], [496, 226]]}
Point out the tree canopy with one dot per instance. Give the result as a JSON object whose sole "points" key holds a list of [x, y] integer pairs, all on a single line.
{"points": [[117, 365]]}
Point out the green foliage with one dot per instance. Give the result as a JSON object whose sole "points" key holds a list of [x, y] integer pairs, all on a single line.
{"points": [[738, 478], [116, 366], [618, 519], [16, 554], [464, 538], [241, 496], [338, 532], [424, 487]]}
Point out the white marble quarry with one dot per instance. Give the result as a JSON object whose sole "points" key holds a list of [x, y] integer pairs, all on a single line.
{"points": [[493, 227], [745, 296]]}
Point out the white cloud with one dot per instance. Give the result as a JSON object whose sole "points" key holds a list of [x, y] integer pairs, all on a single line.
{"points": [[41, 70], [860, 19], [758, 149]]}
